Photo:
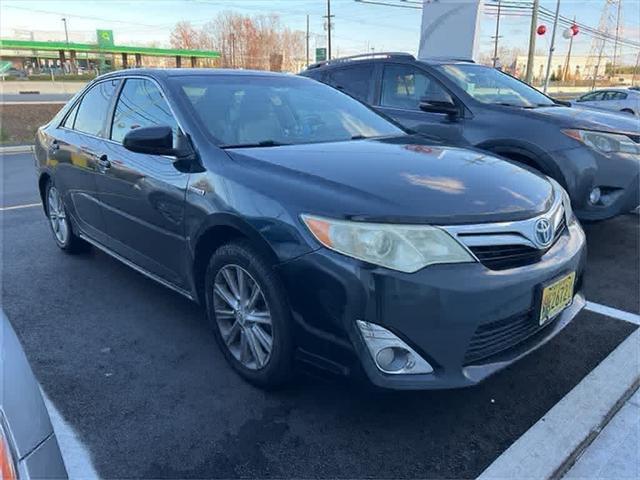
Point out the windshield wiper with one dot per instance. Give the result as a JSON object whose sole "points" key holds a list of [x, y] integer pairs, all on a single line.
{"points": [[263, 143]]}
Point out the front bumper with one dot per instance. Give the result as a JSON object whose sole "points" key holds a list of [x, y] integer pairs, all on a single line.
{"points": [[437, 311], [618, 176]]}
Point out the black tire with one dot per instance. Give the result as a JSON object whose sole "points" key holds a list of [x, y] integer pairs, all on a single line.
{"points": [[72, 243], [278, 368]]}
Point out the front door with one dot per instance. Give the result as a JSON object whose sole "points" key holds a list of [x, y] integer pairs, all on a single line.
{"points": [[402, 89], [143, 195]]}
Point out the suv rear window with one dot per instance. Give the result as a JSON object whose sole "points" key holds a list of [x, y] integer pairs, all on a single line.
{"points": [[355, 80]]}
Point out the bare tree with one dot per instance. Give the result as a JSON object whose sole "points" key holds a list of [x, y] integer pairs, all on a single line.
{"points": [[255, 42]]}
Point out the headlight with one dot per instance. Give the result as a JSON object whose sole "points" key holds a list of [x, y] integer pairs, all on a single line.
{"points": [[603, 142], [406, 248], [566, 201]]}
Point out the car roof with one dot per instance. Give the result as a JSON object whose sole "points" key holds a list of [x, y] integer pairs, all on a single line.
{"points": [[175, 72], [384, 57]]}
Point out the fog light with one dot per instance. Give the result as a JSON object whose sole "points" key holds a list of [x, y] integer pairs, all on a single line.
{"points": [[390, 354], [594, 196]]}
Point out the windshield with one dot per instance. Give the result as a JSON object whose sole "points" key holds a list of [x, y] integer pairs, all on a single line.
{"points": [[488, 85], [241, 110]]}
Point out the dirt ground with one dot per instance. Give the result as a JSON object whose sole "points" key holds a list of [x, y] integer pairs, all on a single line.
{"points": [[19, 122]]}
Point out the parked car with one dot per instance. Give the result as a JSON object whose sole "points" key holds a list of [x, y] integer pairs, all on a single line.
{"points": [[592, 154], [310, 227], [624, 100], [13, 72], [28, 445]]}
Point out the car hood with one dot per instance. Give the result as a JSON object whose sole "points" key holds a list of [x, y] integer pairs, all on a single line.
{"points": [[588, 119], [385, 180]]}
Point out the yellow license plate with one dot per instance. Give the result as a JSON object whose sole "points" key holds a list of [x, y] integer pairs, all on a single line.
{"points": [[556, 297]]}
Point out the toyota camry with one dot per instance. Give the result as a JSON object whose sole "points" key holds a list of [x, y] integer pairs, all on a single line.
{"points": [[313, 230]]}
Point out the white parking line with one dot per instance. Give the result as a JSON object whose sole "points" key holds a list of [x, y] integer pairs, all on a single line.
{"points": [[613, 312], [75, 454], [18, 207]]}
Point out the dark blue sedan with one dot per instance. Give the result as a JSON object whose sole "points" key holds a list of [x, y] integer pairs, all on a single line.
{"points": [[312, 229]]}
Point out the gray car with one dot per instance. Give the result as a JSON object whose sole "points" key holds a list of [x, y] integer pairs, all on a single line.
{"points": [[622, 100], [594, 155], [28, 445]]}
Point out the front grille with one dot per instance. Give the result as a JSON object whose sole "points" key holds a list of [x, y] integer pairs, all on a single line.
{"points": [[492, 338], [502, 257]]}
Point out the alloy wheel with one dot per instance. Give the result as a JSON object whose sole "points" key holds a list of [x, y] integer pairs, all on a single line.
{"points": [[57, 216], [243, 316]]}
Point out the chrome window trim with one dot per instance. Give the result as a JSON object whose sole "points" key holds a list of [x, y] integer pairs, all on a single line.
{"points": [[508, 233]]}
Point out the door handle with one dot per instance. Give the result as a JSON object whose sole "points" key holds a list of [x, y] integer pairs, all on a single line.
{"points": [[103, 163]]}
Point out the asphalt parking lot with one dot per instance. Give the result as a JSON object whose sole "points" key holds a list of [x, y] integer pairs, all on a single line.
{"points": [[133, 369]]}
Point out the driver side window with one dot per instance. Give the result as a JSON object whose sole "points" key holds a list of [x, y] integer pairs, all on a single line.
{"points": [[405, 87]]}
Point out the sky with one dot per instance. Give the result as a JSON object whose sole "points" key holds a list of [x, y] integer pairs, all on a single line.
{"points": [[358, 27]]}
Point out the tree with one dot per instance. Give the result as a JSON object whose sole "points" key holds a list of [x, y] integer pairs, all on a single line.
{"points": [[184, 36], [256, 42]]}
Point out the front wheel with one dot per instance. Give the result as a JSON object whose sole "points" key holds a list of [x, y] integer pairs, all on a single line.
{"points": [[61, 227], [249, 314]]}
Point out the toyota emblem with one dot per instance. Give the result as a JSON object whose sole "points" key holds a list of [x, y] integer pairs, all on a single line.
{"points": [[543, 232]]}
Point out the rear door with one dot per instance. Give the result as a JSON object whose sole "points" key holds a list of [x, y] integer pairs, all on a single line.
{"points": [[402, 89], [73, 151], [143, 195]]}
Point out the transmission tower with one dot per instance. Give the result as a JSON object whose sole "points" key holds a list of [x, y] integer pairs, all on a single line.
{"points": [[606, 25]]}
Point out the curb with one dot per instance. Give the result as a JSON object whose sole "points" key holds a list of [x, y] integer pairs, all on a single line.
{"points": [[551, 446], [16, 149]]}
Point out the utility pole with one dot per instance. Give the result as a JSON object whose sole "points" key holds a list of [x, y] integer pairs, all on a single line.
{"points": [[595, 74], [532, 42], [495, 44], [307, 40], [566, 67], [635, 69], [552, 48], [328, 16], [66, 32], [615, 45]]}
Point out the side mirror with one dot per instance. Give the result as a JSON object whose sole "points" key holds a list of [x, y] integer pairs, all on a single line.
{"points": [[156, 140], [440, 106]]}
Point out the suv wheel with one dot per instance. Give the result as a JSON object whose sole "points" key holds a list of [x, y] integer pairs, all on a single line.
{"points": [[249, 314], [60, 224]]}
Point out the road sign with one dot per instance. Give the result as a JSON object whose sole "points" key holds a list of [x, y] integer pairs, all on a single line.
{"points": [[321, 54], [105, 38]]}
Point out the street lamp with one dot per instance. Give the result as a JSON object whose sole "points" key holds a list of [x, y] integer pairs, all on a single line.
{"points": [[66, 32]]}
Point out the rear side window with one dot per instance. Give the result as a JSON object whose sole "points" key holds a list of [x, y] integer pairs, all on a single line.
{"points": [[140, 104], [68, 122], [356, 80], [94, 108]]}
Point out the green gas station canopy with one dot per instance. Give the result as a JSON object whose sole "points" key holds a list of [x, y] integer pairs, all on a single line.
{"points": [[89, 47]]}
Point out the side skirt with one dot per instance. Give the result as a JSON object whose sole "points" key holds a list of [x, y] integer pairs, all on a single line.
{"points": [[137, 268]]}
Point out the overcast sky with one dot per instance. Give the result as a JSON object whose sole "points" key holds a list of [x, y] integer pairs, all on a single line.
{"points": [[357, 26]]}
